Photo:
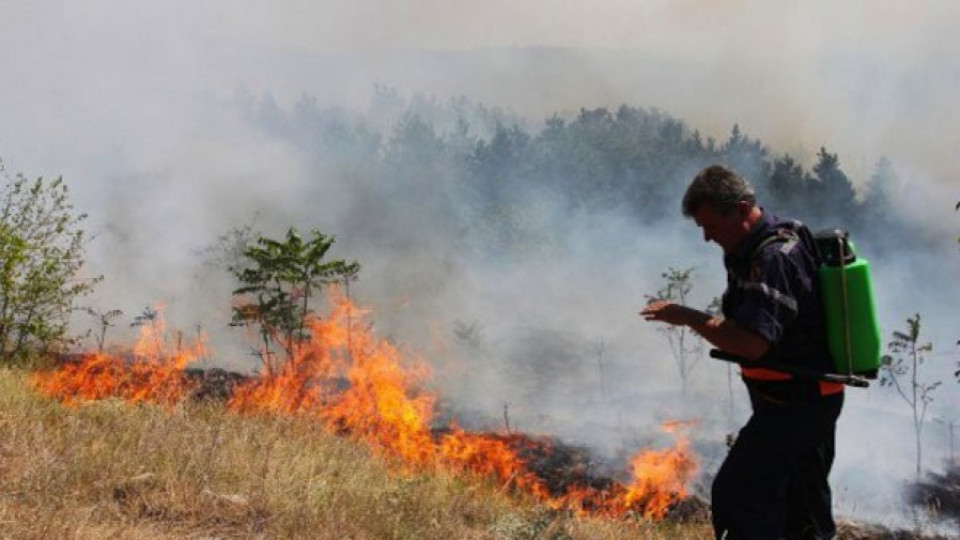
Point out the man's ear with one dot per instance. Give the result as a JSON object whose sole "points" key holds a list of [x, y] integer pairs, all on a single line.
{"points": [[743, 209]]}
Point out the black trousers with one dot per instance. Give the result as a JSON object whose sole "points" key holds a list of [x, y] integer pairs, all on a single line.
{"points": [[773, 484]]}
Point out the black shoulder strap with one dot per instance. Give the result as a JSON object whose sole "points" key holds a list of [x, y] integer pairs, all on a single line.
{"points": [[788, 234]]}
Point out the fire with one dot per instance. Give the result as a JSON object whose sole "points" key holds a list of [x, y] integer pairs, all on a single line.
{"points": [[363, 387], [149, 373], [350, 381], [660, 477]]}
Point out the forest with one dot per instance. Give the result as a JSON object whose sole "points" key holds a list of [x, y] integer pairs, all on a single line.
{"points": [[478, 170]]}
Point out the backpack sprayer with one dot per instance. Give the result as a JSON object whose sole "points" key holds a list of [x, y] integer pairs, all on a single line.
{"points": [[853, 333]]}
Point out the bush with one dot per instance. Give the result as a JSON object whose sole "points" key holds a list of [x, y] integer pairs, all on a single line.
{"points": [[41, 253]]}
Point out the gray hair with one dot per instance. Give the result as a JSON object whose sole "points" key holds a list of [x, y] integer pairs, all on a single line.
{"points": [[720, 187]]}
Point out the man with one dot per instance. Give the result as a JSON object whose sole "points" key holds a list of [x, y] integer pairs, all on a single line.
{"points": [[773, 483]]}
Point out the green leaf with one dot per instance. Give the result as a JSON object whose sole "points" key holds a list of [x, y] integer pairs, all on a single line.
{"points": [[282, 276]]}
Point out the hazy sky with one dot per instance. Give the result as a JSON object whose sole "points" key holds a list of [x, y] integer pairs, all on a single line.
{"points": [[866, 78]]}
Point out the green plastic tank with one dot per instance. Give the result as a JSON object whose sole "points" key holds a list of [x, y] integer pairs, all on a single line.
{"points": [[853, 333]]}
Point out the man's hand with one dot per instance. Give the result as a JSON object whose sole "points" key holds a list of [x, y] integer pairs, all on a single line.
{"points": [[665, 311], [723, 334]]}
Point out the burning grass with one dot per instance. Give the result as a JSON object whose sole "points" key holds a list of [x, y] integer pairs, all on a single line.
{"points": [[351, 384], [149, 373], [107, 469]]}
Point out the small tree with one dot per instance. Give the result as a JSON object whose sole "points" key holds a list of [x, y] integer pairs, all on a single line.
{"points": [[678, 286], [905, 359], [599, 349], [150, 318], [227, 252], [278, 284], [41, 254], [105, 320]]}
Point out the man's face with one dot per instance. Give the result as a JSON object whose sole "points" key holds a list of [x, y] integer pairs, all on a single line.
{"points": [[726, 231]]}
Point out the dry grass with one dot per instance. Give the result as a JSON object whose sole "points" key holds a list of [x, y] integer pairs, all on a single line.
{"points": [[112, 470]]}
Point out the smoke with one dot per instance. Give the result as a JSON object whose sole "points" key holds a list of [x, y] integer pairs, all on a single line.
{"points": [[154, 116]]}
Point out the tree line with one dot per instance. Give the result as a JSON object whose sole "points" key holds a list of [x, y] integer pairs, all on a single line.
{"points": [[490, 164]]}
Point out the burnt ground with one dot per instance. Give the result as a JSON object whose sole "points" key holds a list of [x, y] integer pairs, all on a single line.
{"points": [[938, 494], [852, 530], [213, 384]]}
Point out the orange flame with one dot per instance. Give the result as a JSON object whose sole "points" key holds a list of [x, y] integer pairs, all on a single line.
{"points": [[660, 477], [150, 373], [363, 387]]}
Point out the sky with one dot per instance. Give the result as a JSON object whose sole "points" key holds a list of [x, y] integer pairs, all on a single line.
{"points": [[865, 78], [133, 103]]}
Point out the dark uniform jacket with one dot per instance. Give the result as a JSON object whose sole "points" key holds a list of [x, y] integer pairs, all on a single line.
{"points": [[772, 290]]}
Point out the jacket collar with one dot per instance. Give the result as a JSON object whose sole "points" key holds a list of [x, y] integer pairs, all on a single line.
{"points": [[756, 235]]}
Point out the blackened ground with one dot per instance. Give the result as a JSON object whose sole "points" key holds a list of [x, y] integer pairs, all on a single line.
{"points": [[213, 384], [852, 530], [565, 468], [560, 466], [938, 494]]}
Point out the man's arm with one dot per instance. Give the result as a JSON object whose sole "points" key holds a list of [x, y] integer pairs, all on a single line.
{"points": [[724, 334]]}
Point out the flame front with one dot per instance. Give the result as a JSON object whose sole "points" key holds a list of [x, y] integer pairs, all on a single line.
{"points": [[362, 387], [149, 373], [660, 477]]}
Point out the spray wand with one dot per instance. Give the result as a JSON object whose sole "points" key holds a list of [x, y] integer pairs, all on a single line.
{"points": [[798, 371]]}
